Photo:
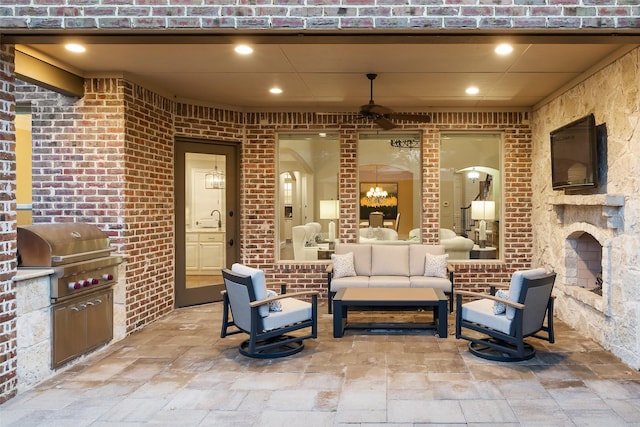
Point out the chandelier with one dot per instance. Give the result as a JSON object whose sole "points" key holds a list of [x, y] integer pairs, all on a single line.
{"points": [[376, 195], [215, 178], [405, 143]]}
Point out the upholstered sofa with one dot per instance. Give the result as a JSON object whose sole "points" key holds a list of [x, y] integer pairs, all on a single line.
{"points": [[303, 240], [458, 247], [359, 265]]}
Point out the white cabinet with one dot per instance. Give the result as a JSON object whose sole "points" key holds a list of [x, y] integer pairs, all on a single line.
{"points": [[205, 253]]}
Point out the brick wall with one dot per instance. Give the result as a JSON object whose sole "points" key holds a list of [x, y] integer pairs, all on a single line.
{"points": [[323, 15], [8, 344], [148, 213]]}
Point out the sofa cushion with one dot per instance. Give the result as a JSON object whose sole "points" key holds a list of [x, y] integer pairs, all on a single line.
{"points": [[390, 260], [417, 255], [389, 282], [349, 282], [515, 287], [343, 265], [430, 282], [258, 281], [361, 256], [436, 265]]}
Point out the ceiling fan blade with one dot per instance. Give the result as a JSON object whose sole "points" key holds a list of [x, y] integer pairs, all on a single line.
{"points": [[421, 118], [384, 123]]}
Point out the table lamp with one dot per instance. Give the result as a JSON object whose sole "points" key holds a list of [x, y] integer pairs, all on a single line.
{"points": [[483, 210], [330, 209]]}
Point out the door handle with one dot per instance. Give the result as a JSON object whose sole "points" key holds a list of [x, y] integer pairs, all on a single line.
{"points": [[230, 242]]}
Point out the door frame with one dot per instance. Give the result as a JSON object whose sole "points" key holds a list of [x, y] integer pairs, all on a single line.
{"points": [[201, 295]]}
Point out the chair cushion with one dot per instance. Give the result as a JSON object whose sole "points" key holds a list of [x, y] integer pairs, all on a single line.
{"points": [[481, 312], [436, 265], [343, 265], [389, 260], [259, 284], [500, 307], [516, 286], [293, 311]]}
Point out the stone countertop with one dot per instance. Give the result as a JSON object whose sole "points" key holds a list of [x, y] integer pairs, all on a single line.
{"points": [[31, 273]]}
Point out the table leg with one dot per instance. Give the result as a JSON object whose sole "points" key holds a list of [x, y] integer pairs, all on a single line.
{"points": [[339, 318], [443, 328]]}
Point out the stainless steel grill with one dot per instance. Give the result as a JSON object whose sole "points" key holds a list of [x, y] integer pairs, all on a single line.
{"points": [[84, 272], [79, 254]]}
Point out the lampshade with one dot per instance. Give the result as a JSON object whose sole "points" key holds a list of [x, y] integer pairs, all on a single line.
{"points": [[483, 209], [329, 209]]}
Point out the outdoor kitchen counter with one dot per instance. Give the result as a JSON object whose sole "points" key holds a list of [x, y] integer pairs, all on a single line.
{"points": [[31, 273]]}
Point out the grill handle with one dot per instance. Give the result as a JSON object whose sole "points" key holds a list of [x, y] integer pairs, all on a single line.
{"points": [[66, 258]]}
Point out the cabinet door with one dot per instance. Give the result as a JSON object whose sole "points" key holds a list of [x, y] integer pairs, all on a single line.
{"points": [[191, 257], [99, 319], [211, 252], [69, 331]]}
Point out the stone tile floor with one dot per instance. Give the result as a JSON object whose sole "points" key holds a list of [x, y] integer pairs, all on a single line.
{"points": [[178, 372]]}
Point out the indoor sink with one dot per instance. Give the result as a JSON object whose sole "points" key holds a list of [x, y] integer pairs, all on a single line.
{"points": [[207, 223]]}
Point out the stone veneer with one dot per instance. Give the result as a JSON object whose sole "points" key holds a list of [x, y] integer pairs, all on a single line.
{"points": [[611, 217]]}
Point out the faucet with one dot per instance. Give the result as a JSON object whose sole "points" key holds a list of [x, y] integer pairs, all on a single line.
{"points": [[219, 217]]}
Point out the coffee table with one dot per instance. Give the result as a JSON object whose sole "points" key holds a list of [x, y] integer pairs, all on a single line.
{"points": [[390, 298]]}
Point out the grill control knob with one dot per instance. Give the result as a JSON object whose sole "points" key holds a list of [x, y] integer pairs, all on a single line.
{"points": [[107, 276], [86, 283], [94, 281], [74, 285]]}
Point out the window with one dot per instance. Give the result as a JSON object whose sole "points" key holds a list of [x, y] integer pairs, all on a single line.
{"points": [[390, 186], [308, 209], [471, 195]]}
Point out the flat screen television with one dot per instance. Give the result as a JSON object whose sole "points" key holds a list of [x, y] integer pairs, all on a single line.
{"points": [[574, 162]]}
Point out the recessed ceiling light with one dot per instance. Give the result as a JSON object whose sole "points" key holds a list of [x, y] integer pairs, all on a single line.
{"points": [[243, 49], [275, 90], [472, 90], [322, 134], [504, 49], [75, 47]]}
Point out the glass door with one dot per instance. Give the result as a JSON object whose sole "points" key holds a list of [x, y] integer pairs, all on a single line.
{"points": [[206, 219]]}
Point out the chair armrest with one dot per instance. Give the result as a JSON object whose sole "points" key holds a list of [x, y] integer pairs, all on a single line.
{"points": [[277, 297], [451, 268], [329, 268], [508, 302]]}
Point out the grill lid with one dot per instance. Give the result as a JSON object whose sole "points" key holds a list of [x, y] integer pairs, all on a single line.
{"points": [[46, 245]]}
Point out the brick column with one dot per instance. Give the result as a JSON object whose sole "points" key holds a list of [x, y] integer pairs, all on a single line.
{"points": [[8, 262]]}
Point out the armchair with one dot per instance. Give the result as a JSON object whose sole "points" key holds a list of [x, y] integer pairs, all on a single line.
{"points": [[301, 235], [528, 303], [458, 247], [246, 296]]}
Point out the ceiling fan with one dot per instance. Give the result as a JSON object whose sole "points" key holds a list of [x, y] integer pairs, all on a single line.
{"points": [[382, 116]]}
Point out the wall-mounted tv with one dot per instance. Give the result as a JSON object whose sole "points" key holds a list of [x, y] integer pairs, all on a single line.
{"points": [[574, 163]]}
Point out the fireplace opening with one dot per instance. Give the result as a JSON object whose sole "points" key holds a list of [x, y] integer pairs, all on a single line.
{"points": [[584, 262]]}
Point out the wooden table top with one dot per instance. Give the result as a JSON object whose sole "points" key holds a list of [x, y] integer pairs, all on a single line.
{"points": [[389, 294]]}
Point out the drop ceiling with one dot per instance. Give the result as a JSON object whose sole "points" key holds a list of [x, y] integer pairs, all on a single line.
{"points": [[332, 76]]}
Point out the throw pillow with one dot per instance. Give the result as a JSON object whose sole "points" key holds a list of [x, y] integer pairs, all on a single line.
{"points": [[343, 265], [435, 265], [273, 305], [500, 307]]}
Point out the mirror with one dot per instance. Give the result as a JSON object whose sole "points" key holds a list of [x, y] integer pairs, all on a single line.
{"points": [[389, 169], [470, 195], [307, 198]]}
